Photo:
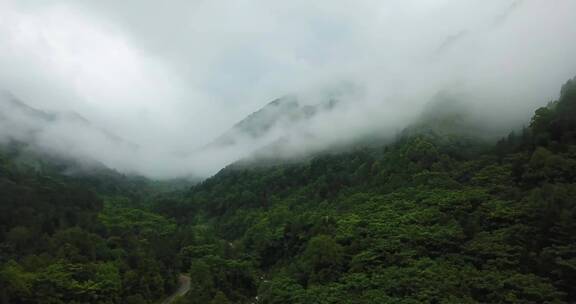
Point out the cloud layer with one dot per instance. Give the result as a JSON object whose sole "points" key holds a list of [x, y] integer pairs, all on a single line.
{"points": [[171, 78]]}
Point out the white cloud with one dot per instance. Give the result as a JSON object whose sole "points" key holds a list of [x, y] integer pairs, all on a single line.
{"points": [[172, 76]]}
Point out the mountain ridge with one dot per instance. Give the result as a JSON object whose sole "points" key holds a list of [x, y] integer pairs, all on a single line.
{"points": [[283, 113]]}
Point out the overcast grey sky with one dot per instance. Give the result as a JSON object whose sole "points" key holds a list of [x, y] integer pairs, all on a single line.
{"points": [[170, 76]]}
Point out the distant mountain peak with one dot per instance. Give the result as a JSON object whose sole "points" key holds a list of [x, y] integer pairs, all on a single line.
{"points": [[284, 112], [30, 120], [9, 102]]}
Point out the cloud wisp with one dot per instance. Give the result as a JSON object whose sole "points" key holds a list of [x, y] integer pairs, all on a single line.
{"points": [[170, 79]]}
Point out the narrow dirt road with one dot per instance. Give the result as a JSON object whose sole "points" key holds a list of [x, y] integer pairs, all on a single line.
{"points": [[183, 288]]}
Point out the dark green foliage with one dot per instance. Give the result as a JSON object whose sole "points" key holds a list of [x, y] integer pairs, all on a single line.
{"points": [[430, 218], [59, 243], [324, 258]]}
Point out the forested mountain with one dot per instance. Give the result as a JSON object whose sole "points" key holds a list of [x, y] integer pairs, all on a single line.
{"points": [[434, 217], [28, 124], [68, 235], [281, 114], [429, 219]]}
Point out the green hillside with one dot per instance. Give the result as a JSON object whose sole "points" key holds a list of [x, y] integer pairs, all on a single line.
{"points": [[435, 217]]}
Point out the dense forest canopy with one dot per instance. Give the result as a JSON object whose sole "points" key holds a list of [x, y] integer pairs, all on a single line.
{"points": [[432, 217], [287, 152]]}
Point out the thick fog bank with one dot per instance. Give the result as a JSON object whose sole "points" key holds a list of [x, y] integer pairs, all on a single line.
{"points": [[167, 90]]}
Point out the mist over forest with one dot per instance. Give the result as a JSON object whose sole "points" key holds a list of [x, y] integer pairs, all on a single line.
{"points": [[170, 85], [216, 152]]}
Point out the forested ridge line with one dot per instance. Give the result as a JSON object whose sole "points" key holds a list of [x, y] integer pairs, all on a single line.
{"points": [[434, 217]]}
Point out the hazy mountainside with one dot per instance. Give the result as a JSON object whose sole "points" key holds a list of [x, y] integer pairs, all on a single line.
{"points": [[74, 238], [27, 124], [286, 131], [280, 115], [447, 114], [437, 216], [427, 219], [22, 150], [446, 117]]}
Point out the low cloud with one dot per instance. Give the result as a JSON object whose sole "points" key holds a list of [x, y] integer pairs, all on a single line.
{"points": [[170, 79]]}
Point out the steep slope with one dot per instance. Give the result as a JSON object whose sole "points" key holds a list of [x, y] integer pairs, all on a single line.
{"points": [[433, 217], [23, 123], [428, 219], [79, 238], [280, 115]]}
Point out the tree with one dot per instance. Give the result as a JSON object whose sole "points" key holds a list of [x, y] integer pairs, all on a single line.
{"points": [[324, 258], [220, 298]]}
